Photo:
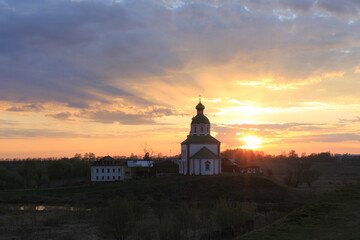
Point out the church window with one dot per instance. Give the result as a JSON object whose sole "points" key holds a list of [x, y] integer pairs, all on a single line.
{"points": [[207, 165]]}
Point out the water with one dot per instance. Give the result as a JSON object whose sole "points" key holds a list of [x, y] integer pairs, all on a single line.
{"points": [[48, 208]]}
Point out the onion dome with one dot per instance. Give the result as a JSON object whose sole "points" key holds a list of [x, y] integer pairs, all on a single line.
{"points": [[200, 118], [200, 107]]}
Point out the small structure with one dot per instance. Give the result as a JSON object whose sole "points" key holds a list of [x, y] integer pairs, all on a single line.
{"points": [[166, 168], [229, 165], [109, 169], [140, 168], [200, 152], [252, 170]]}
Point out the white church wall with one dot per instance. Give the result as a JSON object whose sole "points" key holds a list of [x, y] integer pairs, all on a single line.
{"points": [[183, 151]]}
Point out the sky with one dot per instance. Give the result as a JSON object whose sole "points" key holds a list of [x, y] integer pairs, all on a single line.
{"points": [[124, 76]]}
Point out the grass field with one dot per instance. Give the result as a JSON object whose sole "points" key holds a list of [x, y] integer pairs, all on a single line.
{"points": [[177, 188], [336, 215]]}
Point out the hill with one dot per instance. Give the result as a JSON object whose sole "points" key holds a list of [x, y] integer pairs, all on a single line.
{"points": [[336, 215]]}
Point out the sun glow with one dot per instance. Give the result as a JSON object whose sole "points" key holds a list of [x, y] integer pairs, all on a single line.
{"points": [[251, 142]]}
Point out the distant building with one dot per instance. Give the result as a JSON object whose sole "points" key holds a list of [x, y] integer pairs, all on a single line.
{"points": [[108, 169], [200, 152]]}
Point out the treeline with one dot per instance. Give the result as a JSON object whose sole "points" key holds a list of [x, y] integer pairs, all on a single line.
{"points": [[248, 157], [295, 169], [35, 173], [127, 219]]}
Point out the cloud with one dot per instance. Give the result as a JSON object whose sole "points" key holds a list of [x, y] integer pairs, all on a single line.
{"points": [[148, 117], [6, 123], [16, 133], [64, 116], [105, 116], [353, 120], [333, 137], [26, 108]]}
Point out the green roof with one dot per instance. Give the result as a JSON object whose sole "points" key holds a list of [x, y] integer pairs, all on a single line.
{"points": [[200, 118], [201, 139], [204, 153]]}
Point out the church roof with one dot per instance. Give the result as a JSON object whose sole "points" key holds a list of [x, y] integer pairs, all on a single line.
{"points": [[200, 118], [204, 153], [201, 139]]}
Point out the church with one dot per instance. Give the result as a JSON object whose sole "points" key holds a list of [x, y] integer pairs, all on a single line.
{"points": [[200, 152]]}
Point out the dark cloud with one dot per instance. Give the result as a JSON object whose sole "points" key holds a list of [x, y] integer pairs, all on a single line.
{"points": [[162, 111], [26, 108], [85, 52], [64, 116], [347, 8], [142, 118], [105, 116]]}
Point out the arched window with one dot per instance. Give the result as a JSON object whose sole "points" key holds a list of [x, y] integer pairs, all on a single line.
{"points": [[207, 166]]}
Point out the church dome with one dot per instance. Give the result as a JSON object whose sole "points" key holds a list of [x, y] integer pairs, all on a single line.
{"points": [[200, 118]]}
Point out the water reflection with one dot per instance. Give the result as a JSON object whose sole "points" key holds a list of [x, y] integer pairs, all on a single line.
{"points": [[50, 208]]}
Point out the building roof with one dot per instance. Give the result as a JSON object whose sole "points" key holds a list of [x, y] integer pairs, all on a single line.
{"points": [[200, 118], [109, 161], [204, 153], [201, 140]]}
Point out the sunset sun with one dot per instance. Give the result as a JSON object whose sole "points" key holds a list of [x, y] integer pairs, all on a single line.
{"points": [[251, 142]]}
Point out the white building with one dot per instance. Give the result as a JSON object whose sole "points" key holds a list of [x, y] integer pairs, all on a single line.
{"points": [[108, 169], [200, 152]]}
